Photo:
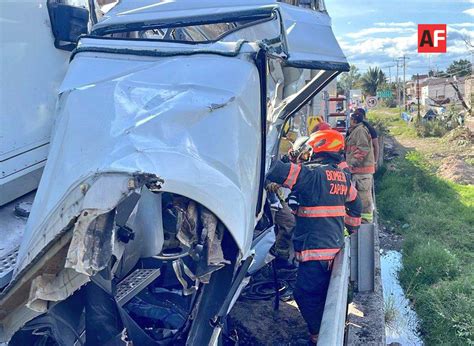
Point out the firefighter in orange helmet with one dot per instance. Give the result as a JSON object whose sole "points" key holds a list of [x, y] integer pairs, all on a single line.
{"points": [[327, 201]]}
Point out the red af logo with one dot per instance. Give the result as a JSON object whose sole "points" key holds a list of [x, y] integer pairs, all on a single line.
{"points": [[432, 38]]}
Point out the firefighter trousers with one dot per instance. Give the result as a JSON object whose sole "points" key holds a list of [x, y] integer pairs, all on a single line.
{"points": [[363, 184], [310, 291]]}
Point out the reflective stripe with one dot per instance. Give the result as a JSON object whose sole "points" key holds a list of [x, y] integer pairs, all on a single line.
{"points": [[360, 151], [322, 211], [352, 221], [367, 216], [316, 255], [352, 195], [363, 170], [343, 165], [292, 176]]}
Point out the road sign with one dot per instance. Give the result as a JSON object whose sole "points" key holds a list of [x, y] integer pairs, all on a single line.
{"points": [[371, 101], [384, 94]]}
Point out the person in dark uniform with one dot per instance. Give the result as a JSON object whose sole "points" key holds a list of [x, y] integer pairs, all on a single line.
{"points": [[327, 201]]}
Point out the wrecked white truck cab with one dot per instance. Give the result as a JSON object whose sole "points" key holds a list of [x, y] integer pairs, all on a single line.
{"points": [[151, 209]]}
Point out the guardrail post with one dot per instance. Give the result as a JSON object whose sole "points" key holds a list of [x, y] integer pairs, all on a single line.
{"points": [[363, 258], [353, 257]]}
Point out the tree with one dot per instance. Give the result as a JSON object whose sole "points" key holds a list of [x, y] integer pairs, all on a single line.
{"points": [[372, 80], [349, 80], [459, 68], [436, 73]]}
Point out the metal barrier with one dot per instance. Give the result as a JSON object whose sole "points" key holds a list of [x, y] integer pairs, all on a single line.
{"points": [[335, 310], [362, 258]]}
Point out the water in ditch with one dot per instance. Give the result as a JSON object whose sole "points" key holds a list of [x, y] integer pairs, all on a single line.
{"points": [[402, 323]]}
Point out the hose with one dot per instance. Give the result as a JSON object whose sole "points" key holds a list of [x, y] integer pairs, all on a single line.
{"points": [[263, 289]]}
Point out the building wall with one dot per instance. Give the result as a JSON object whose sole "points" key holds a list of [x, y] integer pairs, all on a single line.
{"points": [[439, 90], [469, 91]]}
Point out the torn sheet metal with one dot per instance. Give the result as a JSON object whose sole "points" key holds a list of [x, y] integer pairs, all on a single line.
{"points": [[151, 116], [54, 287], [310, 40], [261, 247], [149, 12], [91, 245], [57, 209]]}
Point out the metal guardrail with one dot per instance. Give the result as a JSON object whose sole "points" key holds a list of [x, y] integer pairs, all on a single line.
{"points": [[335, 309], [357, 262]]}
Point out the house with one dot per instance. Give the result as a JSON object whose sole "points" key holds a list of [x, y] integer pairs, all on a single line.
{"points": [[439, 91], [469, 91], [412, 91]]}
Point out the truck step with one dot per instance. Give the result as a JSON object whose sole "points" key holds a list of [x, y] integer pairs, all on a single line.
{"points": [[134, 284], [7, 264]]}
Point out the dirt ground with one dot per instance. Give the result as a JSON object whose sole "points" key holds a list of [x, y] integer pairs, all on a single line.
{"points": [[257, 323], [451, 156], [457, 170]]}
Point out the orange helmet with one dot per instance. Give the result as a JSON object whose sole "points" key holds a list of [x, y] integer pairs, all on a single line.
{"points": [[326, 141]]}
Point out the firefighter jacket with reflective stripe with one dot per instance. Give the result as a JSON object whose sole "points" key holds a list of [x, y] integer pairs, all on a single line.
{"points": [[326, 201], [359, 151]]}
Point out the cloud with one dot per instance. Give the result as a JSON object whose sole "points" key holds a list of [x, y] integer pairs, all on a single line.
{"points": [[459, 34], [396, 24], [341, 10], [381, 51], [469, 11], [371, 31], [461, 25], [391, 47]]}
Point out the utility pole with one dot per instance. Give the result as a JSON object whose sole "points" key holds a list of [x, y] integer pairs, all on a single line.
{"points": [[404, 58], [390, 72], [398, 88], [404, 85], [418, 118]]}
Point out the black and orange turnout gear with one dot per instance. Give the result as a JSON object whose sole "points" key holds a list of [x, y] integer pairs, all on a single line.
{"points": [[327, 201]]}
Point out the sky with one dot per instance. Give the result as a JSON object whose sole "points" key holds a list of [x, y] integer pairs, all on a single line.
{"points": [[375, 32]]}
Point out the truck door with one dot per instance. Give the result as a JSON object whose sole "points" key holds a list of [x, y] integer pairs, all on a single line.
{"points": [[321, 60]]}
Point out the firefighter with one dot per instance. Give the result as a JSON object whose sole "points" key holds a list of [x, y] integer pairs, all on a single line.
{"points": [[373, 134], [361, 160], [327, 201]]}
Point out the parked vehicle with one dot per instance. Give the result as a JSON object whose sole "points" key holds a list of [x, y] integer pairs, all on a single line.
{"points": [[151, 209]]}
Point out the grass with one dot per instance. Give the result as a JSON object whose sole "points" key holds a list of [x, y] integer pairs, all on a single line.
{"points": [[436, 218], [390, 312], [389, 119]]}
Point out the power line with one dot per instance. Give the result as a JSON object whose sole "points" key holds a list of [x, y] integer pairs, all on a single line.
{"points": [[399, 60], [454, 72]]}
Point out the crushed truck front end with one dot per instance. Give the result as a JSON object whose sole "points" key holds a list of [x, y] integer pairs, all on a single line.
{"points": [[150, 211]]}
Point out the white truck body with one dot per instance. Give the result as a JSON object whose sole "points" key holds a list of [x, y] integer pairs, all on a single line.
{"points": [[143, 117], [31, 72]]}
